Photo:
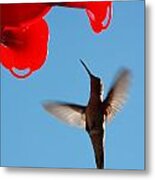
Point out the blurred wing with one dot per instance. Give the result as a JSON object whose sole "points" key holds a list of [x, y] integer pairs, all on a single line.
{"points": [[69, 113], [117, 95]]}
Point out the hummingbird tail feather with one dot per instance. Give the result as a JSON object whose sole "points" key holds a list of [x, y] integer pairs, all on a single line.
{"points": [[97, 142]]}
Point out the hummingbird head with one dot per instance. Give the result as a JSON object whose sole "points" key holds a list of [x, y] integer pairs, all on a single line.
{"points": [[96, 85]]}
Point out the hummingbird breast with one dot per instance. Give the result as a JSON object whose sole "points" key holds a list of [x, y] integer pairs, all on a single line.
{"points": [[94, 116]]}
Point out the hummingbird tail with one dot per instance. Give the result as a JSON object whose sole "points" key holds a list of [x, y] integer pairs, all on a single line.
{"points": [[97, 142]]}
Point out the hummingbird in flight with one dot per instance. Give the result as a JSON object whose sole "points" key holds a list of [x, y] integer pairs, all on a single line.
{"points": [[92, 117]]}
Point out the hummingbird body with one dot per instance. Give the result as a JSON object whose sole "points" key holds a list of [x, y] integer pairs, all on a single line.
{"points": [[93, 116], [94, 111]]}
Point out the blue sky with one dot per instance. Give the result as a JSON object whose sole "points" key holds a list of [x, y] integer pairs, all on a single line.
{"points": [[30, 137]]}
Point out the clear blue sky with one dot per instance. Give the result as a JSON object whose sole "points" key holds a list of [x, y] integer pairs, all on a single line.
{"points": [[30, 137]]}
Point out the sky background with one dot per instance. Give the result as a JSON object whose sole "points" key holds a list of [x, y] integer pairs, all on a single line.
{"points": [[31, 137]]}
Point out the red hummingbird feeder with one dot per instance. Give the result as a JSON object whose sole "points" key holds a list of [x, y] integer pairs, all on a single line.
{"points": [[24, 33]]}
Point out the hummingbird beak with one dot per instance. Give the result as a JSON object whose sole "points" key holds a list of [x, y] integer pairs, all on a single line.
{"points": [[84, 65]]}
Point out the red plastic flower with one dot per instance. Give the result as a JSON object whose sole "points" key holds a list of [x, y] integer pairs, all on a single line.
{"points": [[99, 13], [24, 48], [15, 15], [24, 33], [23, 37]]}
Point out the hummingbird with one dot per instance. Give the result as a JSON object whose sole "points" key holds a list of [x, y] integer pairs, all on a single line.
{"points": [[93, 116]]}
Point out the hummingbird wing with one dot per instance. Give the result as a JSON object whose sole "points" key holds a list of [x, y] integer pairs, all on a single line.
{"points": [[72, 114], [117, 95]]}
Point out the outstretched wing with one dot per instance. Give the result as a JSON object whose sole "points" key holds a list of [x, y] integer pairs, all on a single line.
{"points": [[117, 95], [69, 113]]}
